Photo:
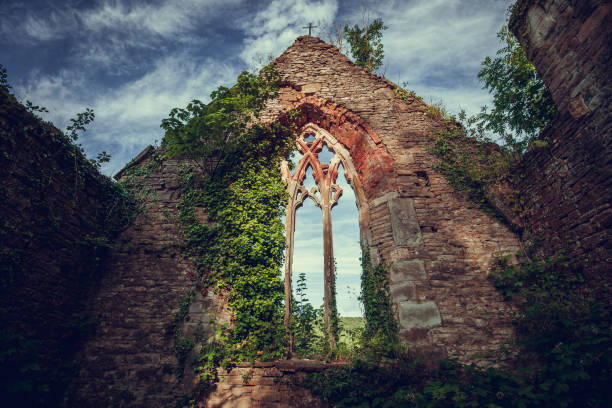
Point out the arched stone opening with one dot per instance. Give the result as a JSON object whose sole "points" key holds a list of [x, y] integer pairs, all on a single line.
{"points": [[311, 140], [367, 165], [372, 162]]}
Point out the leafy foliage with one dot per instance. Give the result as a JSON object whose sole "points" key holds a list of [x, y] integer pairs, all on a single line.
{"points": [[4, 78], [405, 94], [238, 250], [311, 334], [366, 43], [78, 124], [303, 319], [564, 326], [35, 108], [411, 382], [470, 165], [381, 330], [563, 355], [241, 253], [522, 104], [210, 133]]}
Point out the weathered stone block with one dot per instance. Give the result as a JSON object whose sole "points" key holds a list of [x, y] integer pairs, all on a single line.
{"points": [[311, 88], [408, 270], [404, 223], [403, 291], [418, 315]]}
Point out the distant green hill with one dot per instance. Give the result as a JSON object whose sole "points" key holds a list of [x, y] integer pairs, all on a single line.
{"points": [[349, 327], [348, 324], [351, 323]]}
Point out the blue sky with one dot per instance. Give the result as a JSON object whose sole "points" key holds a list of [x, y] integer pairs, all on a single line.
{"points": [[133, 61]]}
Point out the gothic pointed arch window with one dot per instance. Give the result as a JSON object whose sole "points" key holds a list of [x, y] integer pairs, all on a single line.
{"points": [[325, 193]]}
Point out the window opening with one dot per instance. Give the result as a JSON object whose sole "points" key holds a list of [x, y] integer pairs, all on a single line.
{"points": [[325, 155], [311, 186], [313, 151], [347, 250], [309, 137], [308, 252]]}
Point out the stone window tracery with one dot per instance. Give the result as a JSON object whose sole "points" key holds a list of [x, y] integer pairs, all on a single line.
{"points": [[325, 194]]}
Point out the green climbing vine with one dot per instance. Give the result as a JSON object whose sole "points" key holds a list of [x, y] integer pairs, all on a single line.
{"points": [[133, 181], [472, 166], [241, 252], [232, 176], [563, 327], [380, 335]]}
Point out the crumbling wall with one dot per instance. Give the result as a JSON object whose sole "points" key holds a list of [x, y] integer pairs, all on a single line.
{"points": [[437, 246], [58, 216], [131, 359], [266, 384], [566, 186]]}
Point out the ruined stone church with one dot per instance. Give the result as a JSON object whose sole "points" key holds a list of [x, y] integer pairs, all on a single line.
{"points": [[437, 246]]}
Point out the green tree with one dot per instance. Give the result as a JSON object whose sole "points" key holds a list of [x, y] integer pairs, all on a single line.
{"points": [[365, 43], [206, 133], [522, 104]]}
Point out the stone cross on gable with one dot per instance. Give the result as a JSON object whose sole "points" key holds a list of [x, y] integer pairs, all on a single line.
{"points": [[310, 27]]}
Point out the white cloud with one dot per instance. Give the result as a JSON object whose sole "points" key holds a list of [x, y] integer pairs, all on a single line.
{"points": [[107, 34], [166, 19], [437, 46], [273, 29], [43, 29], [128, 117]]}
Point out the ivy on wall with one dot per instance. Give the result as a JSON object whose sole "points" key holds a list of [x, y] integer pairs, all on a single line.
{"points": [[562, 353], [563, 328], [240, 252], [381, 329], [472, 167], [238, 246]]}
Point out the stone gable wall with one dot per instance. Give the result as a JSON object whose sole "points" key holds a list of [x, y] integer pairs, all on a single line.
{"points": [[437, 246], [566, 186]]}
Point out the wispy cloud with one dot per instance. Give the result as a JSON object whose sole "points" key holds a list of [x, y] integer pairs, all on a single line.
{"points": [[112, 35], [274, 28], [436, 46], [50, 27], [162, 18], [128, 117], [166, 18]]}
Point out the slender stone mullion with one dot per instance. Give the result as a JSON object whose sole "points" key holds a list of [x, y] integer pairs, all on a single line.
{"points": [[328, 269], [289, 234]]}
